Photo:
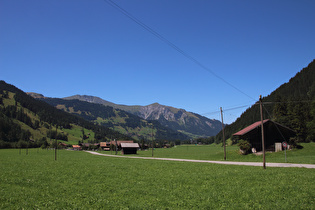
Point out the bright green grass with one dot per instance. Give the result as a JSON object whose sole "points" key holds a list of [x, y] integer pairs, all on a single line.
{"points": [[215, 152], [75, 134], [78, 180]]}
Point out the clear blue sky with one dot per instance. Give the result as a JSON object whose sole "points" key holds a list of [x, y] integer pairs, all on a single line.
{"points": [[61, 48]]}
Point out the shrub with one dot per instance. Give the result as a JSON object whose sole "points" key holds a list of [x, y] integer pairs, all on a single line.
{"points": [[245, 147]]}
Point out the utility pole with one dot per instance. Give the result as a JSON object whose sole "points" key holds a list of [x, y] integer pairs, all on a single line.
{"points": [[262, 133], [223, 133], [56, 143], [152, 138], [115, 146]]}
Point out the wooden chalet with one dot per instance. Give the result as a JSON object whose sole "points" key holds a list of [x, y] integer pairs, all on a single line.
{"points": [[273, 132]]}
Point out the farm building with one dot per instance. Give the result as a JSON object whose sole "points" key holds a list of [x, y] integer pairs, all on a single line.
{"points": [[119, 143], [89, 145], [62, 145], [105, 145], [273, 132], [76, 147], [129, 148]]}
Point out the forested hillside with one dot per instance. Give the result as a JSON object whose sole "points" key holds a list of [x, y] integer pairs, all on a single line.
{"points": [[292, 104], [23, 118], [117, 119]]}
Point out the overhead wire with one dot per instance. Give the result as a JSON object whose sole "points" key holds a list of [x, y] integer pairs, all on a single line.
{"points": [[225, 110], [257, 103], [191, 58], [175, 47]]}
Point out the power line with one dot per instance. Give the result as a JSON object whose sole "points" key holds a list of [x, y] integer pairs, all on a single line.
{"points": [[162, 38], [257, 103], [225, 110]]}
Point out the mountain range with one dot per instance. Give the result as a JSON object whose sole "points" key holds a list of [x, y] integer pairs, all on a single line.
{"points": [[176, 119], [180, 120], [116, 119]]}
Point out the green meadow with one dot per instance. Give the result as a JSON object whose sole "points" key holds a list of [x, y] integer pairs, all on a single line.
{"points": [[79, 180]]}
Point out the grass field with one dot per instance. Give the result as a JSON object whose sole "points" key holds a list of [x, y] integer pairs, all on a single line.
{"points": [[215, 152], [84, 181]]}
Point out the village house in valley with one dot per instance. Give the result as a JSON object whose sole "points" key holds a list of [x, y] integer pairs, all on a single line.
{"points": [[126, 147]]}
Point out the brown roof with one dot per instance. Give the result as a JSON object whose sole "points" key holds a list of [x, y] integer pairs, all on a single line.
{"points": [[258, 124], [76, 146], [249, 128]]}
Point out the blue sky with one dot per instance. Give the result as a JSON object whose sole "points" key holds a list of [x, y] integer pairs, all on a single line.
{"points": [[61, 48]]}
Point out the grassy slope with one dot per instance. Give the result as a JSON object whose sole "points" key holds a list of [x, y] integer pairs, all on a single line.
{"points": [[85, 181], [75, 134]]}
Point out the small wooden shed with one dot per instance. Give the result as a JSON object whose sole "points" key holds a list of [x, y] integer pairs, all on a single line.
{"points": [[129, 148]]}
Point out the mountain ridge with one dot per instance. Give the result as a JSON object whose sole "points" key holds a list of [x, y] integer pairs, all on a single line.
{"points": [[116, 119], [175, 118]]}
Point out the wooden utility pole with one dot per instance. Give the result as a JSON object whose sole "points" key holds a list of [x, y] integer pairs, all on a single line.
{"points": [[223, 133], [116, 146], [262, 133], [56, 143], [152, 138]]}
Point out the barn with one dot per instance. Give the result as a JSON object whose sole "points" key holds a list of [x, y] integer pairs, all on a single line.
{"points": [[273, 132], [129, 148]]}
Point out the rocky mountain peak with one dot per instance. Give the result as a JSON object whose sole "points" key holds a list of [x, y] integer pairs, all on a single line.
{"points": [[35, 95], [155, 111]]}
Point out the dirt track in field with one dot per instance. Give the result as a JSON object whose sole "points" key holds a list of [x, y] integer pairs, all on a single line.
{"points": [[215, 162]]}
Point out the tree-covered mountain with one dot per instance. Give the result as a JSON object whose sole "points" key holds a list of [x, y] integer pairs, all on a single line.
{"points": [[176, 119], [117, 119], [23, 118], [292, 104]]}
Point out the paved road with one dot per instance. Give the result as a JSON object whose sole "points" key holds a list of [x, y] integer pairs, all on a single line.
{"points": [[217, 162]]}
